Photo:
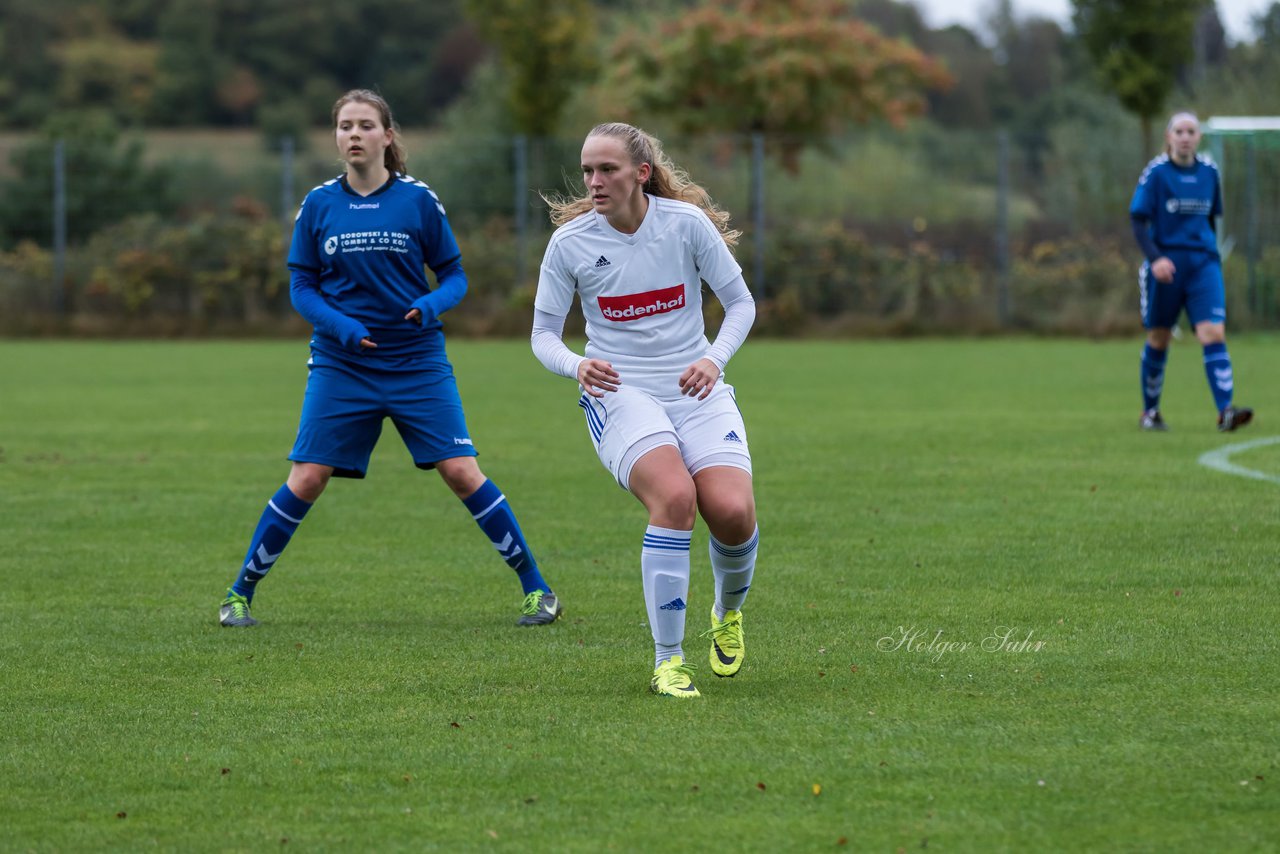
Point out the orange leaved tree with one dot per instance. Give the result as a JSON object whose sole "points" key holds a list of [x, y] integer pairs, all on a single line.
{"points": [[795, 71]]}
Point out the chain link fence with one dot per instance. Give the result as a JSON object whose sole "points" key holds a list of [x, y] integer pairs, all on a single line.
{"points": [[873, 233]]}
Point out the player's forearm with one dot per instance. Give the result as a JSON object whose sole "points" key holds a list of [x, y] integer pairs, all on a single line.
{"points": [[451, 286], [739, 315], [548, 345], [1142, 234], [306, 298]]}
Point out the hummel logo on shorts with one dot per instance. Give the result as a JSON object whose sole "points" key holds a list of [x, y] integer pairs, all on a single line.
{"points": [[603, 262], [732, 436]]}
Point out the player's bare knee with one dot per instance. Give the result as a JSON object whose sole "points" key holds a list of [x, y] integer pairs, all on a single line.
{"points": [[1211, 333], [674, 507], [308, 480], [731, 521], [462, 475]]}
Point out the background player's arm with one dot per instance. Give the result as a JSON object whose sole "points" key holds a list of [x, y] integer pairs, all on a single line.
{"points": [[1161, 267], [311, 304], [451, 287]]}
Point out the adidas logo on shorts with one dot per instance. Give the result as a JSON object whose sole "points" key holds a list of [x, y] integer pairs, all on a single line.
{"points": [[732, 436]]}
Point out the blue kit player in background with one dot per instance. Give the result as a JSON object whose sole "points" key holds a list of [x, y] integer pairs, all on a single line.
{"points": [[1173, 211], [357, 274]]}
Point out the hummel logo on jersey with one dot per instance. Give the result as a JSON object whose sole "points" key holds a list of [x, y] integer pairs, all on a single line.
{"points": [[603, 262], [732, 436], [676, 604]]}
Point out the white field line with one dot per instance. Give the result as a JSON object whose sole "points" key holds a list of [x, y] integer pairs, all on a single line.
{"points": [[1220, 459]]}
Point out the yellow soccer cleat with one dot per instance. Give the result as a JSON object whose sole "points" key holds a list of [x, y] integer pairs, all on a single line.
{"points": [[727, 649], [673, 678]]}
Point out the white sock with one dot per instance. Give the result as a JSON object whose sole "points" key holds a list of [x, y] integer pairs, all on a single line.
{"points": [[664, 566], [733, 567]]}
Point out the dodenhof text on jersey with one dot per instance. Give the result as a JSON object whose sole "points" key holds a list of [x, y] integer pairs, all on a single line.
{"points": [[634, 306]]}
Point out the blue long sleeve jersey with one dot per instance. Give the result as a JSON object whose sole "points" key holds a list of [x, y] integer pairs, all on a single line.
{"points": [[1175, 206], [357, 267]]}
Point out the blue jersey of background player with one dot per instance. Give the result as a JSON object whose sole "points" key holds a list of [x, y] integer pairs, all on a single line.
{"points": [[1173, 211], [356, 268]]}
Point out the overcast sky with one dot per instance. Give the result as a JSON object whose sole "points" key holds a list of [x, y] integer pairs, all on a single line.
{"points": [[1236, 15]]}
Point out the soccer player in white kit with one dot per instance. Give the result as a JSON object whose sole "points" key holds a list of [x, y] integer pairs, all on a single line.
{"points": [[635, 250]]}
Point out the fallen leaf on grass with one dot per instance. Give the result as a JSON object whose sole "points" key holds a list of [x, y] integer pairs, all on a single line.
{"points": [[760, 786], [492, 833], [817, 789], [122, 814], [226, 771], [455, 724]]}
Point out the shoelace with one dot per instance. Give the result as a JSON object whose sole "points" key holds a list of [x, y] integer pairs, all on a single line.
{"points": [[239, 605], [683, 668], [531, 603], [719, 632]]}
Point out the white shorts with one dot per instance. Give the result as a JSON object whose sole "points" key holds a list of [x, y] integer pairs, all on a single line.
{"points": [[628, 423]]}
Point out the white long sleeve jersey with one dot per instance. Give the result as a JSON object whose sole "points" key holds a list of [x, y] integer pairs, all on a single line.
{"points": [[641, 293]]}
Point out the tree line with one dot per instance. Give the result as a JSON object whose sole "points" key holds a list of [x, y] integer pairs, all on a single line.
{"points": [[237, 63]]}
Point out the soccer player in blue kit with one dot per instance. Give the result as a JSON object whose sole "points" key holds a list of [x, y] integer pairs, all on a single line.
{"points": [[1173, 211], [356, 264]]}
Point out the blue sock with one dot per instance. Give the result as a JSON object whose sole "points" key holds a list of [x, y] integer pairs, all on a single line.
{"points": [[1153, 362], [279, 520], [493, 514], [1217, 367]]}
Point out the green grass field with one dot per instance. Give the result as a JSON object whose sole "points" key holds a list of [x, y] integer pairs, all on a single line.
{"points": [[937, 490]]}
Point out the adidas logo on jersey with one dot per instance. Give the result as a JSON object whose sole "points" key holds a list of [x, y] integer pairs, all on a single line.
{"points": [[676, 604], [732, 436], [603, 262]]}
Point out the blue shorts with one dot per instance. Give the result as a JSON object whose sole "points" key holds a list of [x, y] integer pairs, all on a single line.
{"points": [[1197, 286], [344, 406]]}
